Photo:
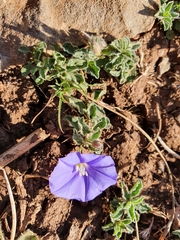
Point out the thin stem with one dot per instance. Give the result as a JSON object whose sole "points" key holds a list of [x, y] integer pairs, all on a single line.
{"points": [[59, 113], [137, 230], [13, 206]]}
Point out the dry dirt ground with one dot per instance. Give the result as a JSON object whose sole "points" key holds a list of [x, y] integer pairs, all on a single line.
{"points": [[55, 218]]}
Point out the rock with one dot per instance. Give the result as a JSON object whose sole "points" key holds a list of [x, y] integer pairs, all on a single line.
{"points": [[56, 21]]}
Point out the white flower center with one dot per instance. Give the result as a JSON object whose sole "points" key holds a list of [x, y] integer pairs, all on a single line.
{"points": [[81, 168]]}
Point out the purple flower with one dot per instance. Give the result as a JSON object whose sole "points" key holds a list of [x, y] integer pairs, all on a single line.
{"points": [[82, 176]]}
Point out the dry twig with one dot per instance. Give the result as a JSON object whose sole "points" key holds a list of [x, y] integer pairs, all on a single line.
{"points": [[169, 150], [13, 207], [20, 148]]}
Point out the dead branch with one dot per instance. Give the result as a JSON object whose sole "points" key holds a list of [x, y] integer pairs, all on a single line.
{"points": [[22, 147]]}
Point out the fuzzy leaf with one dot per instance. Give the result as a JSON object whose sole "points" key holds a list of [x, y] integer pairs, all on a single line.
{"points": [[39, 80], [137, 201], [136, 189], [73, 122], [125, 191], [93, 69], [78, 104], [95, 112], [117, 214], [77, 137], [99, 93], [24, 49], [176, 232], [69, 48], [28, 235], [95, 135], [102, 123], [108, 227], [143, 207], [131, 212], [27, 69]]}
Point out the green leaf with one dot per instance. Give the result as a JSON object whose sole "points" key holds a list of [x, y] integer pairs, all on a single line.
{"points": [[28, 235], [77, 137], [38, 50], [84, 128], [41, 45], [39, 80], [137, 201], [101, 123], [108, 227], [78, 104], [131, 212], [125, 192], [126, 221], [42, 73], [143, 207], [136, 189], [69, 48], [127, 205], [95, 135], [75, 64], [167, 14], [79, 124], [129, 229], [137, 216], [24, 49], [80, 82], [93, 69], [168, 7], [118, 230], [99, 93], [176, 232], [73, 122], [117, 214], [59, 58], [26, 69], [95, 112]]}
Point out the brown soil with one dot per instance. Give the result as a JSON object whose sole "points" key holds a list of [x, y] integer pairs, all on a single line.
{"points": [[55, 218]]}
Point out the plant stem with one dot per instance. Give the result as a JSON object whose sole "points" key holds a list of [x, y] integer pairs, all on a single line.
{"points": [[137, 230]]}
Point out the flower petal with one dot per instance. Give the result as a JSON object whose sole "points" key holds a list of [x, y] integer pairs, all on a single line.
{"points": [[74, 189], [65, 181], [87, 157]]}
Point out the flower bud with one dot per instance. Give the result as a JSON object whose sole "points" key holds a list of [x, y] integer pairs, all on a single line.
{"points": [[97, 144]]}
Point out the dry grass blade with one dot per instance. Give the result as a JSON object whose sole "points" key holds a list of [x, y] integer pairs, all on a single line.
{"points": [[48, 102], [104, 105], [159, 121], [13, 207], [169, 150]]}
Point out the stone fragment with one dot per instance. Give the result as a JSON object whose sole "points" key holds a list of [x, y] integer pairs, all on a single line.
{"points": [[56, 21]]}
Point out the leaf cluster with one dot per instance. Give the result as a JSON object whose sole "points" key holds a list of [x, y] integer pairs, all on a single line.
{"points": [[126, 211], [88, 127], [168, 15], [121, 59], [67, 69]]}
